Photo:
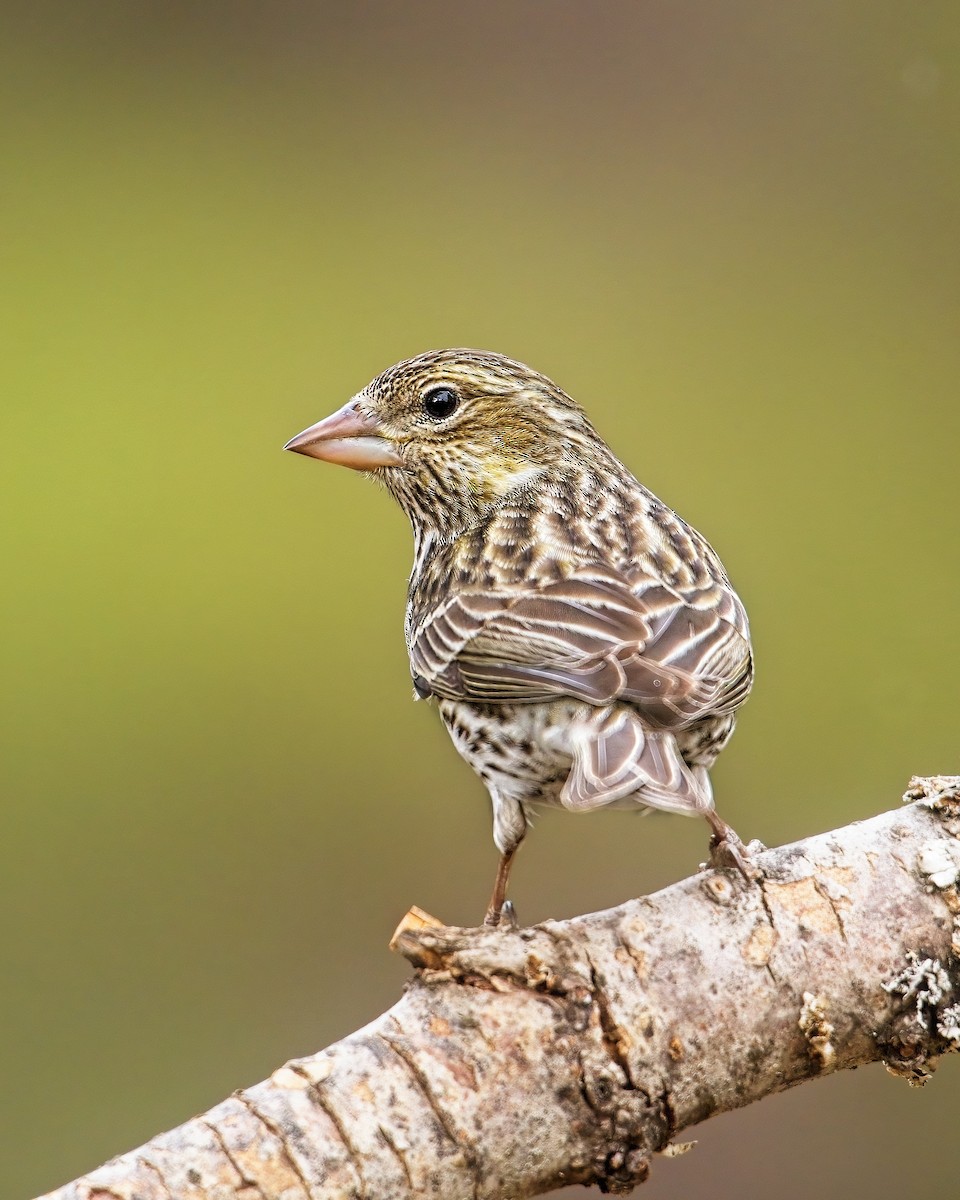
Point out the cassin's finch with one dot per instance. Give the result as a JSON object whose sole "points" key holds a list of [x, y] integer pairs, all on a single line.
{"points": [[583, 642]]}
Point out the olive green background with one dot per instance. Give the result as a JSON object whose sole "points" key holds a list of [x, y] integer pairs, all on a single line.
{"points": [[730, 230]]}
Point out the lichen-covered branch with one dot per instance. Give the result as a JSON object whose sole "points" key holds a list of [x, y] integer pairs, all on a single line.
{"points": [[574, 1051]]}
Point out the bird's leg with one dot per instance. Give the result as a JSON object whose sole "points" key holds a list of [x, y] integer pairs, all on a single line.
{"points": [[727, 850], [500, 911]]}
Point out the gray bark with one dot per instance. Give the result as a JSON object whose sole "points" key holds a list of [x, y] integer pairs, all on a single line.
{"points": [[575, 1051]]}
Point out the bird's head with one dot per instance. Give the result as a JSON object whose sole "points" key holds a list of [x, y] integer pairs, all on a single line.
{"points": [[451, 432]]}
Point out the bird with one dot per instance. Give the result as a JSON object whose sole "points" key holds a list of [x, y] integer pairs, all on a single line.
{"points": [[582, 642]]}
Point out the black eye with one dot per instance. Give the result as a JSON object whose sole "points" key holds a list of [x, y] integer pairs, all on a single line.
{"points": [[440, 402]]}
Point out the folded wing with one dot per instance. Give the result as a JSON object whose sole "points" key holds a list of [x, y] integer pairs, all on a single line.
{"points": [[595, 636]]}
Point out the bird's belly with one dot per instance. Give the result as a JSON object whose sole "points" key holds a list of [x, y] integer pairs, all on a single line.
{"points": [[518, 750]]}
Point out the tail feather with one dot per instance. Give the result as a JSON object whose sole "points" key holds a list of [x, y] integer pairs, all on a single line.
{"points": [[614, 756]]}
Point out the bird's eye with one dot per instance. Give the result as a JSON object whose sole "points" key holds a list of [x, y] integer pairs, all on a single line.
{"points": [[440, 402]]}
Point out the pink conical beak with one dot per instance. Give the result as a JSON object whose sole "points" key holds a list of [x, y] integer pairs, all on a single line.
{"points": [[348, 437]]}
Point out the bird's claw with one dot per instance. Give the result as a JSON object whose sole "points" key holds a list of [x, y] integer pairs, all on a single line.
{"points": [[505, 919], [729, 851]]}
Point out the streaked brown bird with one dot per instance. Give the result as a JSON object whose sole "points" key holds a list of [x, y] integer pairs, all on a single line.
{"points": [[583, 642]]}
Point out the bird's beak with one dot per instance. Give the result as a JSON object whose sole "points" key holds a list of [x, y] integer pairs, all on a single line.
{"points": [[349, 437]]}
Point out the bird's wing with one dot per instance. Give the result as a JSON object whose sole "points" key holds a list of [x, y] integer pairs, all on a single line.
{"points": [[595, 636]]}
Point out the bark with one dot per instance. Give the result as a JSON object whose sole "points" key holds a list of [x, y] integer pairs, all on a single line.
{"points": [[574, 1051]]}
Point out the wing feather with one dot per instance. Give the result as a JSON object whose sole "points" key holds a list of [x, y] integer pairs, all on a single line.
{"points": [[595, 636]]}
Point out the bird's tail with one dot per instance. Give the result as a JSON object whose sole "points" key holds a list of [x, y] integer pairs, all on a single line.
{"points": [[614, 757]]}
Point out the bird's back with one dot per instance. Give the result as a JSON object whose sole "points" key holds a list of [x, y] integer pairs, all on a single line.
{"points": [[564, 549]]}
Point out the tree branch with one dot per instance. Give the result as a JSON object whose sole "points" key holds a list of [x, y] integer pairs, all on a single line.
{"points": [[572, 1052]]}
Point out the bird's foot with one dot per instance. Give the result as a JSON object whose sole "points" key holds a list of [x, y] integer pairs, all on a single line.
{"points": [[505, 919], [727, 850]]}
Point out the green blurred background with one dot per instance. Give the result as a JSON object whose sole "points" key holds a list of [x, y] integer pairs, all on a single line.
{"points": [[729, 230]]}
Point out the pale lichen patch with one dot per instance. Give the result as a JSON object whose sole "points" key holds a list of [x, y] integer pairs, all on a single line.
{"points": [[948, 1025], [940, 793], [817, 1030], [939, 860], [924, 979], [931, 790]]}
